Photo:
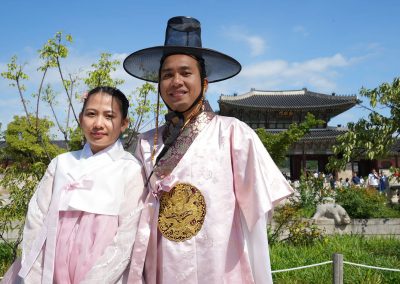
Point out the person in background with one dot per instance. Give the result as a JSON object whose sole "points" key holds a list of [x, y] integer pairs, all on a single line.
{"points": [[362, 181], [346, 183], [373, 180], [332, 183], [355, 180], [383, 183]]}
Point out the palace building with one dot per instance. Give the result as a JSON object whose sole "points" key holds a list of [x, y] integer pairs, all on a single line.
{"points": [[276, 110]]}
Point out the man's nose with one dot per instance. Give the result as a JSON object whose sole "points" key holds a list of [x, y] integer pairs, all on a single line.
{"points": [[177, 79]]}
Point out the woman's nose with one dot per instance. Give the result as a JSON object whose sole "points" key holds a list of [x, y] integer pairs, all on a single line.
{"points": [[99, 121]]}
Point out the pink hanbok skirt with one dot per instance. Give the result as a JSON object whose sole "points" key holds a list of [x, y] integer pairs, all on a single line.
{"points": [[81, 240]]}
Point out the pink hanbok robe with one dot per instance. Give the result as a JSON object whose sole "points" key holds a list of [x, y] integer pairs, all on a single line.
{"points": [[82, 219], [240, 183]]}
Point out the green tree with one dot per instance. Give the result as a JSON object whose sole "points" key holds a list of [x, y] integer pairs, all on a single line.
{"points": [[51, 54], [278, 144], [101, 73], [29, 161], [22, 143], [141, 110], [374, 136]]}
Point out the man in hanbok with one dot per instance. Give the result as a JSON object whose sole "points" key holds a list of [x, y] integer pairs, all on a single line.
{"points": [[211, 182]]}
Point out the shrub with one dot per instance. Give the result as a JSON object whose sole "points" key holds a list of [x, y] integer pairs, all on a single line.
{"points": [[298, 231], [311, 191], [362, 202], [304, 232], [6, 257]]}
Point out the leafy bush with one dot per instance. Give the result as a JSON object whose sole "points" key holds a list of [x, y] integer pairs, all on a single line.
{"points": [[304, 232], [311, 191], [364, 203], [291, 228], [6, 257]]}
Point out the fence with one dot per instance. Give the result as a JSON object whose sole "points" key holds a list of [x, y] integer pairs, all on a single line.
{"points": [[337, 269]]}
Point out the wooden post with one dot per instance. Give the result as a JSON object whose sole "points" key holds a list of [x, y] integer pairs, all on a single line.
{"points": [[337, 269]]}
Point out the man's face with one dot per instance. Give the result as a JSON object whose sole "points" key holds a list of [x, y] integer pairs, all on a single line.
{"points": [[180, 81]]}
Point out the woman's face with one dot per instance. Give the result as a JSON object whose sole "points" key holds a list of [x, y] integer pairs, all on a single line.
{"points": [[180, 81], [101, 121]]}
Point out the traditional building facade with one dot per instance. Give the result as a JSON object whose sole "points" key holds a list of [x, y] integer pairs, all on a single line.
{"points": [[276, 110]]}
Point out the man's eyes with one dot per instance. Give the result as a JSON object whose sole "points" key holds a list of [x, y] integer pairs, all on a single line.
{"points": [[170, 75]]}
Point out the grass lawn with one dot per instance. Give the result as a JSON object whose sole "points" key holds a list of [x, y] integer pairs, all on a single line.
{"points": [[381, 252]]}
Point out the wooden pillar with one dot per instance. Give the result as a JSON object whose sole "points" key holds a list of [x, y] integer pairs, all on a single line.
{"points": [[303, 158]]}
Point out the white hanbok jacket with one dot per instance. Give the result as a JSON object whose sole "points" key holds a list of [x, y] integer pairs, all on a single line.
{"points": [[109, 182]]}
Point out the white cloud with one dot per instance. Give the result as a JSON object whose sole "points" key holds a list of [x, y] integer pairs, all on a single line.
{"points": [[318, 73], [255, 43], [300, 30]]}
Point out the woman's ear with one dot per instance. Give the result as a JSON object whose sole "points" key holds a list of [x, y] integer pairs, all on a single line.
{"points": [[124, 124]]}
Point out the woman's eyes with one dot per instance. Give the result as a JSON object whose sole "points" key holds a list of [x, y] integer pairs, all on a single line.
{"points": [[107, 116]]}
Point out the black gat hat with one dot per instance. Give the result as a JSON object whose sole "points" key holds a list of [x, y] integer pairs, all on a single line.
{"points": [[183, 36]]}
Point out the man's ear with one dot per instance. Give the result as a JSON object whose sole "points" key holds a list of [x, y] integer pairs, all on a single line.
{"points": [[205, 85]]}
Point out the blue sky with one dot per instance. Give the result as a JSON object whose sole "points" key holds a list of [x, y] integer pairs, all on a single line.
{"points": [[325, 46]]}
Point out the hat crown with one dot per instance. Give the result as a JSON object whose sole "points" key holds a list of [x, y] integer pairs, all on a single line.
{"points": [[183, 31]]}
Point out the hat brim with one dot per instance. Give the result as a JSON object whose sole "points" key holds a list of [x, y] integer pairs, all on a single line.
{"points": [[145, 63]]}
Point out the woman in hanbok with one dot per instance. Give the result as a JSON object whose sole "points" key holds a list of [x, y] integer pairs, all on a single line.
{"points": [[82, 219], [210, 180]]}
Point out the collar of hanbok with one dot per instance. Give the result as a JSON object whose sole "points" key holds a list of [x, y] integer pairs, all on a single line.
{"points": [[102, 172], [182, 143], [115, 151]]}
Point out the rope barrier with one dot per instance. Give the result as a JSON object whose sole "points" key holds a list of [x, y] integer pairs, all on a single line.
{"points": [[301, 267], [330, 261], [373, 267]]}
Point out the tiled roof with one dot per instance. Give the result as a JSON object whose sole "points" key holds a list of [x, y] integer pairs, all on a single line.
{"points": [[318, 134], [297, 99]]}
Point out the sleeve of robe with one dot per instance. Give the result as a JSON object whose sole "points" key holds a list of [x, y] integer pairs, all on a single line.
{"points": [[259, 186], [111, 265], [37, 210]]}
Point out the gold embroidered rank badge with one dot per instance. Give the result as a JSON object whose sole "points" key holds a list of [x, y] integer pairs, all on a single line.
{"points": [[182, 212]]}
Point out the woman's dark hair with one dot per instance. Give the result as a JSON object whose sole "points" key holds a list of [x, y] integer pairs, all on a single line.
{"points": [[115, 93]]}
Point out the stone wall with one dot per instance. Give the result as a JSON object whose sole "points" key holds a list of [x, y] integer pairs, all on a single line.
{"points": [[366, 227]]}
